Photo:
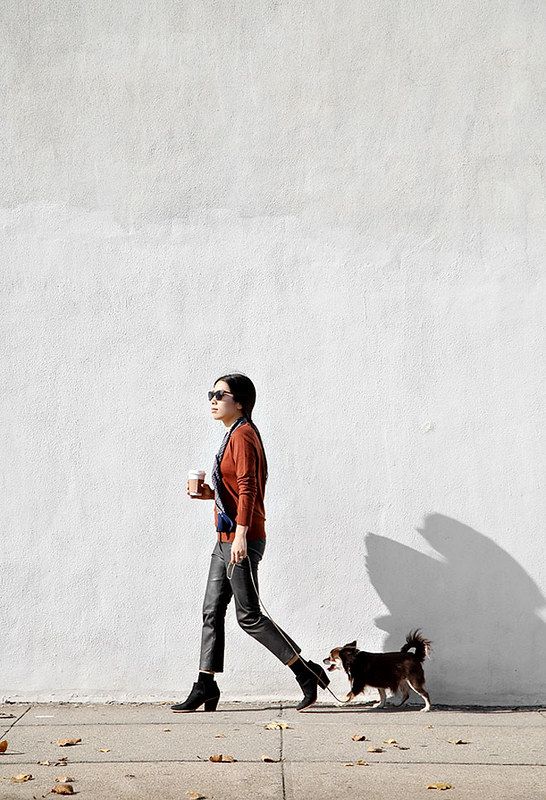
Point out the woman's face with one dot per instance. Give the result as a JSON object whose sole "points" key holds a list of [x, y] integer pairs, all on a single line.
{"points": [[225, 409]]}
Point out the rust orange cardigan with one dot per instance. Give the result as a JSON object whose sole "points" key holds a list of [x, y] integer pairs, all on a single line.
{"points": [[243, 475]]}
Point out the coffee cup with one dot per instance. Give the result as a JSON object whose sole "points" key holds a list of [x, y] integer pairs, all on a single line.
{"points": [[196, 479]]}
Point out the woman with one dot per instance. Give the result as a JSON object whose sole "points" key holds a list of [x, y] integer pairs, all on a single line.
{"points": [[238, 478]]}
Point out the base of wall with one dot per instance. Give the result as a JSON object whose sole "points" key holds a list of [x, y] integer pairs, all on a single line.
{"points": [[526, 704]]}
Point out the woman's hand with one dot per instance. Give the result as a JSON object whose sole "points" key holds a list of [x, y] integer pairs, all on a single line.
{"points": [[238, 549], [207, 492]]}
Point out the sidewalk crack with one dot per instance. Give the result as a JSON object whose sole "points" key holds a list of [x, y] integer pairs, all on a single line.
{"points": [[283, 783]]}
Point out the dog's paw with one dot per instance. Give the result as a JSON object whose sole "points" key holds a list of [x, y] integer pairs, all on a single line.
{"points": [[348, 697]]}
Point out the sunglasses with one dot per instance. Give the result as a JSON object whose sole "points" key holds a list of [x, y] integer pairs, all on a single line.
{"points": [[218, 395]]}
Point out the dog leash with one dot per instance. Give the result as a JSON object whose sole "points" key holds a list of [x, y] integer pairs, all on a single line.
{"points": [[232, 565]]}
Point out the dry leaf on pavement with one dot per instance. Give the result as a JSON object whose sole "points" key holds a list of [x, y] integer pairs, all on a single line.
{"points": [[220, 757], [361, 763], [441, 786], [457, 741], [390, 741], [195, 795], [375, 749], [268, 758], [67, 742], [274, 725], [63, 788], [358, 737], [64, 779], [3, 745], [22, 777], [104, 749]]}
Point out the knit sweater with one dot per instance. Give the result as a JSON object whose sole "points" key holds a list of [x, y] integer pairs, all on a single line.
{"points": [[243, 476]]}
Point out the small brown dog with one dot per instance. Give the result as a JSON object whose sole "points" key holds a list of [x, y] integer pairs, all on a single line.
{"points": [[394, 671]]}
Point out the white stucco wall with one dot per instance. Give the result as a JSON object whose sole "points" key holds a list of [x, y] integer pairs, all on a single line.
{"points": [[343, 200]]}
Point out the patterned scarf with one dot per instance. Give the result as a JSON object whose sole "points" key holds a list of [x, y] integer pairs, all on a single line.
{"points": [[225, 523]]}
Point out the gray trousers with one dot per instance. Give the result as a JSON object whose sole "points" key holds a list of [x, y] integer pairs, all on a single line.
{"points": [[220, 589]]}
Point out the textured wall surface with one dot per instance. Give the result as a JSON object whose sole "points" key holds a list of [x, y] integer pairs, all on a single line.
{"points": [[342, 200]]}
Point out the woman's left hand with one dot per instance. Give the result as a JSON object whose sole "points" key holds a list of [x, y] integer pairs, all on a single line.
{"points": [[238, 549]]}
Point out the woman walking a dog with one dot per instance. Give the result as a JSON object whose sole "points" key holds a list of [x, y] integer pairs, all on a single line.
{"points": [[238, 478]]}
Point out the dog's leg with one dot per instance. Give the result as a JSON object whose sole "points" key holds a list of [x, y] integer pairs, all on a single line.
{"points": [[382, 697], [404, 697], [356, 688], [422, 692]]}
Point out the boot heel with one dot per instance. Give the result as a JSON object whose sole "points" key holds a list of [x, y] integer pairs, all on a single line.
{"points": [[210, 705], [322, 677]]}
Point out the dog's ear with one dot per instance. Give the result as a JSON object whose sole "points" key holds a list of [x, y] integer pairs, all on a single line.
{"points": [[351, 644]]}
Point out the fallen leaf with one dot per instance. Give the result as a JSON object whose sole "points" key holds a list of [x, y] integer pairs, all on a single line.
{"points": [[375, 749], [22, 777], [3, 745], [358, 737], [361, 763], [195, 795], [390, 741], [441, 786], [274, 725], [399, 747], [65, 779], [63, 788], [220, 757], [45, 763], [268, 758], [350, 764], [104, 749], [61, 762], [220, 736], [67, 742], [457, 741], [166, 730], [6, 716]]}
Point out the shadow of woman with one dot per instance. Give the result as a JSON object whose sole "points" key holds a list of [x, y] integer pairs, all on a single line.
{"points": [[477, 605]]}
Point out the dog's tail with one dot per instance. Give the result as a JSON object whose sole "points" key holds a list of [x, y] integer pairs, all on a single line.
{"points": [[417, 640]]}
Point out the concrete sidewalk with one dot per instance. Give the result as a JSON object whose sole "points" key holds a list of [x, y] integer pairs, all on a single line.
{"points": [[152, 752]]}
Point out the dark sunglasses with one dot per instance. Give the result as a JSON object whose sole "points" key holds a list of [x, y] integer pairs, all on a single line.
{"points": [[218, 395]]}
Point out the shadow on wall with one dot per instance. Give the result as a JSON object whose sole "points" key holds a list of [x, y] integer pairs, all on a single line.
{"points": [[476, 604]]}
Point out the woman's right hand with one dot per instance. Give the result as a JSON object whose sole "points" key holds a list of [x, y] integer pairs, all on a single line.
{"points": [[207, 492]]}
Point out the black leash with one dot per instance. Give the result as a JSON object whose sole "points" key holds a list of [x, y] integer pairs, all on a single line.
{"points": [[231, 564]]}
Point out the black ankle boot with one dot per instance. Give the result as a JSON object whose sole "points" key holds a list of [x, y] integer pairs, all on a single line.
{"points": [[200, 693], [309, 681]]}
